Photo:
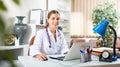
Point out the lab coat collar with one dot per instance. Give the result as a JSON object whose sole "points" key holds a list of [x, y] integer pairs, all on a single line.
{"points": [[50, 33]]}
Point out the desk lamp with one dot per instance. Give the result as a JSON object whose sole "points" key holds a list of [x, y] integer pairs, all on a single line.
{"points": [[101, 29]]}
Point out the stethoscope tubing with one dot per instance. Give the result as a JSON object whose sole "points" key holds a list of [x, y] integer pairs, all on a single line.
{"points": [[49, 37]]}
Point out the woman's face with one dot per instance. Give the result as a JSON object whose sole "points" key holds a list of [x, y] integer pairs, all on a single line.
{"points": [[54, 20]]}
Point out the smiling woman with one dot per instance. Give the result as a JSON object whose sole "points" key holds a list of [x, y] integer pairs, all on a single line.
{"points": [[49, 41]]}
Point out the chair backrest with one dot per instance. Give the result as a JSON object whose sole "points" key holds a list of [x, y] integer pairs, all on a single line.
{"points": [[95, 41], [118, 44], [32, 41], [30, 44]]}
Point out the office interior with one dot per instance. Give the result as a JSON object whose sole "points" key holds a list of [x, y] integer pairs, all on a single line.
{"points": [[76, 22]]}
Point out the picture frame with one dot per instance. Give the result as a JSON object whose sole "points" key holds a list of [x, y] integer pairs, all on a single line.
{"points": [[36, 16]]}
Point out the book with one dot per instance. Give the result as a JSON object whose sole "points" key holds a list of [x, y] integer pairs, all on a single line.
{"points": [[98, 51]]}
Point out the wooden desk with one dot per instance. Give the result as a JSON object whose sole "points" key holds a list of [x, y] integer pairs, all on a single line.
{"points": [[28, 61]]}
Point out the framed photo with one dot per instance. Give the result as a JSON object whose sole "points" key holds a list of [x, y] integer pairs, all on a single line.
{"points": [[36, 16]]}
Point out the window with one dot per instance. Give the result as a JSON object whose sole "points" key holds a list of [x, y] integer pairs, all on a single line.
{"points": [[81, 18]]}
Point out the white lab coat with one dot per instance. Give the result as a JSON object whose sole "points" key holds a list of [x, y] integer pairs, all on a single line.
{"points": [[41, 43]]}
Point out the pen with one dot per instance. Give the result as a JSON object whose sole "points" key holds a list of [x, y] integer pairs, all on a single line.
{"points": [[81, 51]]}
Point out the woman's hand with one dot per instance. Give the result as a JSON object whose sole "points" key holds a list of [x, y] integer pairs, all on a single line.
{"points": [[66, 52], [42, 57]]}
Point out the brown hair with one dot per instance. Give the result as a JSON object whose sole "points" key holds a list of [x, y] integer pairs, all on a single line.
{"points": [[49, 14]]}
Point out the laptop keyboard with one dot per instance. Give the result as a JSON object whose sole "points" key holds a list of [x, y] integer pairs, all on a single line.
{"points": [[58, 58]]}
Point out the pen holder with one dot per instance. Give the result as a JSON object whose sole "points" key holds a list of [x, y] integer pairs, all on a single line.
{"points": [[85, 57]]}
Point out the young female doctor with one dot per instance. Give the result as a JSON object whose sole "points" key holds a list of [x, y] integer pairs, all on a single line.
{"points": [[49, 41]]}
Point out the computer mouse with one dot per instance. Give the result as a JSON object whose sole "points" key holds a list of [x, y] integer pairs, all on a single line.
{"points": [[46, 59]]}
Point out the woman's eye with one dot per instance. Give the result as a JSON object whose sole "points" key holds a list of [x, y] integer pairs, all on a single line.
{"points": [[55, 18], [58, 18]]}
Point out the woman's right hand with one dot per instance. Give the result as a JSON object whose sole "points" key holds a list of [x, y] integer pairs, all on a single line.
{"points": [[42, 57]]}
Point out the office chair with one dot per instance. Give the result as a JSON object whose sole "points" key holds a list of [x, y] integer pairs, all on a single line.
{"points": [[30, 44]]}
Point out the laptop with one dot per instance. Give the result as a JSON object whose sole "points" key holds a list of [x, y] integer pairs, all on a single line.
{"points": [[74, 52]]}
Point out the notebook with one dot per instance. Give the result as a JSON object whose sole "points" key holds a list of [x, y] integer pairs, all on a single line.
{"points": [[74, 52]]}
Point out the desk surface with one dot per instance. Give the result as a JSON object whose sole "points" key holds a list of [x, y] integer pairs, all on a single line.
{"points": [[28, 61]]}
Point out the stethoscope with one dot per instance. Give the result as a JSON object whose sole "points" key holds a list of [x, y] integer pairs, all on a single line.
{"points": [[49, 36]]}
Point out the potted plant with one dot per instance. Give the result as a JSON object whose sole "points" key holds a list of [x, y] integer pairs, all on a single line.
{"points": [[5, 55], [106, 11]]}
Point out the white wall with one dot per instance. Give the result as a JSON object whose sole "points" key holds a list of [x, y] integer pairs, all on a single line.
{"points": [[20, 10]]}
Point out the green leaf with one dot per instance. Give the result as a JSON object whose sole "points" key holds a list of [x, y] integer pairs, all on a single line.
{"points": [[2, 6], [2, 31], [2, 25], [16, 1]]}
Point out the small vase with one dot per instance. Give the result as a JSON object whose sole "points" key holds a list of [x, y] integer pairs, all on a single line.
{"points": [[20, 29]]}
